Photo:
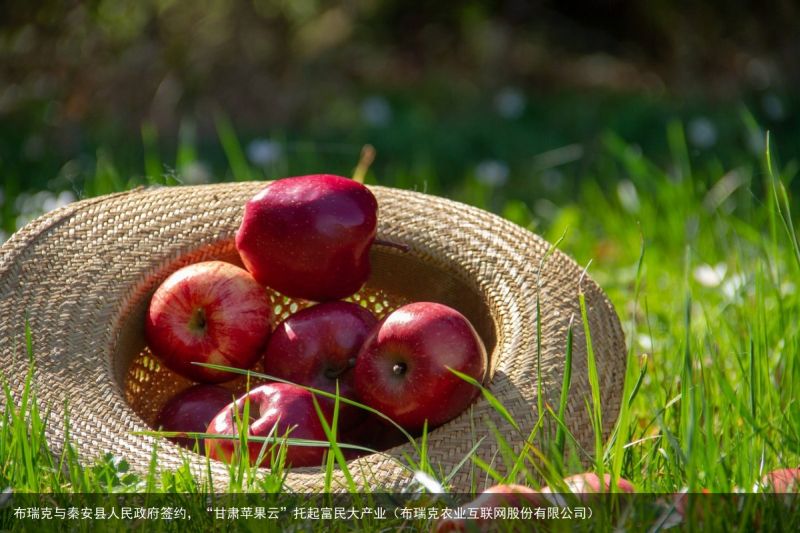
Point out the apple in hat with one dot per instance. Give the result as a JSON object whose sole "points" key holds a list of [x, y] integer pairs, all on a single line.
{"points": [[403, 368], [317, 347], [208, 312], [191, 410], [278, 410], [309, 236], [372, 432]]}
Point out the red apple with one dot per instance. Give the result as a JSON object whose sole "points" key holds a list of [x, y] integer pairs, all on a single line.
{"points": [[309, 236], [589, 483], [276, 409], [210, 312], [785, 480], [496, 496], [402, 369], [317, 347], [191, 411]]}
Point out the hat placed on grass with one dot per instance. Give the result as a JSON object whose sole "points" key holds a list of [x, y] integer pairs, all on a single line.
{"points": [[83, 276]]}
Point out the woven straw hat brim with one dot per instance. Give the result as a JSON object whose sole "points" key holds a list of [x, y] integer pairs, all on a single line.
{"points": [[82, 275]]}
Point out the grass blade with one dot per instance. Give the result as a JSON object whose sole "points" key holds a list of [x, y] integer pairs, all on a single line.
{"points": [[232, 147], [489, 397], [565, 384]]}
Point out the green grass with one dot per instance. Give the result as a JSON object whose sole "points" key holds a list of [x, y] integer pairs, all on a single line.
{"points": [[701, 260]]}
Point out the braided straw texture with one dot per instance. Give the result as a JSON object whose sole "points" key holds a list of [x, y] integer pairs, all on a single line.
{"points": [[83, 276]]}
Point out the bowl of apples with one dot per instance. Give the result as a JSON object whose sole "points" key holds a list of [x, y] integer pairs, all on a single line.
{"points": [[294, 316]]}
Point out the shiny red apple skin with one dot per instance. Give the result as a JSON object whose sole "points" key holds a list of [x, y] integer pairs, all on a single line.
{"points": [[192, 410], [208, 312], [317, 347], [402, 368], [309, 236], [278, 405]]}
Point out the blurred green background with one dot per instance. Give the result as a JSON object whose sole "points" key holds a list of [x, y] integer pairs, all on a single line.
{"points": [[508, 105]]}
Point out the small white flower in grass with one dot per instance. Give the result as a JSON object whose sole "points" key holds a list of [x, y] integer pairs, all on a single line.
{"points": [[263, 152], [645, 341], [788, 288], [492, 172], [510, 103], [376, 111], [702, 132], [628, 197], [732, 287], [23, 220], [195, 173], [427, 482], [54, 202], [710, 276]]}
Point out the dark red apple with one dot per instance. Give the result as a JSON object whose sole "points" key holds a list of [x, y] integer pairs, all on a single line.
{"points": [[371, 432], [317, 347], [309, 236], [289, 409], [192, 410], [210, 312], [402, 369], [506, 495]]}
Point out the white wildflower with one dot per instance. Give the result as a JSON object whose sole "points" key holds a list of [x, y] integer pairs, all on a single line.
{"points": [[628, 197], [710, 276], [263, 152], [702, 132], [376, 111], [510, 103], [492, 172]]}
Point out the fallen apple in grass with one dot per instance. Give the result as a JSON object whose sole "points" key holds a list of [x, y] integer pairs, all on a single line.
{"points": [[192, 410], [209, 312], [682, 501], [309, 236], [317, 347], [276, 410], [589, 483], [403, 368], [504, 495], [785, 480]]}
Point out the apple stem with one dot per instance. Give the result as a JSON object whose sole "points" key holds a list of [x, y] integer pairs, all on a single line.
{"points": [[364, 162], [403, 247], [399, 369], [199, 319]]}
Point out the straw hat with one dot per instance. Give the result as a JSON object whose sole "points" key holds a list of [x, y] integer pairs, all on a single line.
{"points": [[83, 276]]}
